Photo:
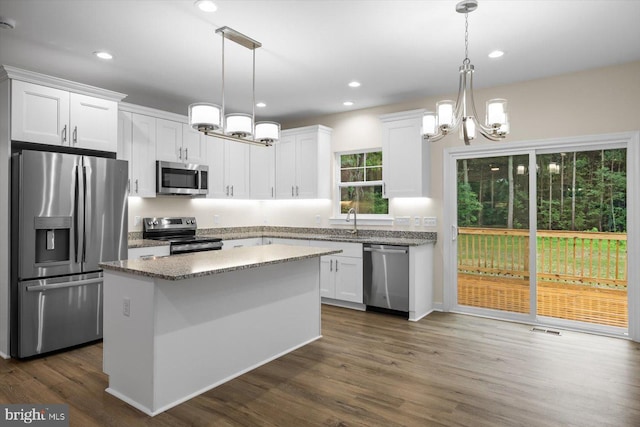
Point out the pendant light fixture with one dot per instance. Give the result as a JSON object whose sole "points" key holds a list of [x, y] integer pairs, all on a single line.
{"points": [[208, 118], [462, 113]]}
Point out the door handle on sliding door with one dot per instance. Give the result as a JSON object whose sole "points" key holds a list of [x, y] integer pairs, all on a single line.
{"points": [[454, 232]]}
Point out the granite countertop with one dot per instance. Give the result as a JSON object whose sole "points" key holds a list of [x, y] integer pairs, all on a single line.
{"points": [[145, 243], [384, 237], [198, 264]]}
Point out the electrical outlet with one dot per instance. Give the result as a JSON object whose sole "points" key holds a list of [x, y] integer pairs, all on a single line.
{"points": [[216, 219], [126, 306], [137, 220], [402, 220], [317, 219], [416, 221], [429, 221]]}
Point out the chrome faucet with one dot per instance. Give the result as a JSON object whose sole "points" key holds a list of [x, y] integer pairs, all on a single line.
{"points": [[355, 220]]}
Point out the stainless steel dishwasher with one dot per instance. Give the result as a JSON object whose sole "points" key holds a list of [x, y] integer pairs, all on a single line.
{"points": [[386, 278]]}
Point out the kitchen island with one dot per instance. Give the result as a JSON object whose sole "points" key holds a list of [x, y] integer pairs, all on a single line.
{"points": [[177, 326]]}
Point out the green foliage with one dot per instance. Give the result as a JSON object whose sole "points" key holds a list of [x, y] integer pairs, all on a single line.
{"points": [[468, 205], [597, 201]]}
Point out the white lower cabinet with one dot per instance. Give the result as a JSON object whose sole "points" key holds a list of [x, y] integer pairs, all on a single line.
{"points": [[341, 278], [136, 253], [341, 275]]}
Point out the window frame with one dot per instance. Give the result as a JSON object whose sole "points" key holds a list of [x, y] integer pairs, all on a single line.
{"points": [[338, 217]]}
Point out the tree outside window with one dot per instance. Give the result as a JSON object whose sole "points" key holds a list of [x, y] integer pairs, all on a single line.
{"points": [[360, 183]]}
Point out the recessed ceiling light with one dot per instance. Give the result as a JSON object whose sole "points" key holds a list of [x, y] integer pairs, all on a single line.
{"points": [[261, 105], [347, 103], [206, 5], [7, 23], [354, 84], [103, 55], [496, 54]]}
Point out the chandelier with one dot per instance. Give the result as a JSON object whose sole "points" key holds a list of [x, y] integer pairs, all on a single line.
{"points": [[208, 118], [463, 113]]}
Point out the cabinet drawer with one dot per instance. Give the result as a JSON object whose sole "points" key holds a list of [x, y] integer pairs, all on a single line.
{"points": [[135, 253]]}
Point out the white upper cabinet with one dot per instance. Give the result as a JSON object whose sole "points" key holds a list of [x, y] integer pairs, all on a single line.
{"points": [[93, 123], [215, 161], [178, 142], [194, 145], [262, 174], [303, 163], [236, 167], [46, 115], [137, 145], [228, 163], [169, 141], [405, 156]]}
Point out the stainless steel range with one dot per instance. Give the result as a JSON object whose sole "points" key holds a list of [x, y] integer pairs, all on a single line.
{"points": [[180, 232]]}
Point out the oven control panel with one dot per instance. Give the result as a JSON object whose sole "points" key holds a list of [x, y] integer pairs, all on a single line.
{"points": [[169, 223]]}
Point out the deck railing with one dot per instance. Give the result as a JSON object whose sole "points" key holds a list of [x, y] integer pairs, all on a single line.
{"points": [[587, 258]]}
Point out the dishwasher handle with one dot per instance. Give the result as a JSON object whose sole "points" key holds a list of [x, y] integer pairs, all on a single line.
{"points": [[386, 251]]}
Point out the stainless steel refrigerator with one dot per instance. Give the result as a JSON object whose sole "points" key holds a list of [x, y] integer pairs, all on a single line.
{"points": [[69, 213]]}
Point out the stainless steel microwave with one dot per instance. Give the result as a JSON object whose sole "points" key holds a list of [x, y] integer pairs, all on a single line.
{"points": [[182, 179]]}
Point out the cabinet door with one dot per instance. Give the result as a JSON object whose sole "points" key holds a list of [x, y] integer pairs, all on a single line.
{"points": [[124, 141], [169, 141], [327, 279], [307, 166], [194, 145], [285, 167], [39, 114], [143, 156], [237, 169], [215, 161], [348, 279], [93, 123], [402, 158], [262, 164]]}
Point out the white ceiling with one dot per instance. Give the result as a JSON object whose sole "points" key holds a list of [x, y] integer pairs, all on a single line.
{"points": [[167, 55]]}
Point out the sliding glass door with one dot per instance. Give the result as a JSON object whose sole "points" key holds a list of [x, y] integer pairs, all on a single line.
{"points": [[540, 234], [582, 236], [493, 233]]}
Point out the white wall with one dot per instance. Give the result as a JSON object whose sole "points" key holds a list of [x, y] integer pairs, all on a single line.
{"points": [[603, 100]]}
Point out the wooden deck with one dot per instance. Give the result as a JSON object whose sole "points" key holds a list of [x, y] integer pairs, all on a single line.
{"points": [[572, 302]]}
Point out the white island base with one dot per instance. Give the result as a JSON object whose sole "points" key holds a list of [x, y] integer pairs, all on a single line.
{"points": [[184, 337]]}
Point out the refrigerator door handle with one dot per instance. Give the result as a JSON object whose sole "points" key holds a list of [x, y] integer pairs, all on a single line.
{"points": [[76, 201], [71, 284], [84, 211]]}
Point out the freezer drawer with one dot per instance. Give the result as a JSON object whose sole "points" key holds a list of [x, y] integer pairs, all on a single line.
{"points": [[386, 277], [58, 313]]}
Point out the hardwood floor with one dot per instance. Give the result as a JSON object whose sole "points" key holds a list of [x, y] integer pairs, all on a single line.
{"points": [[376, 370]]}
